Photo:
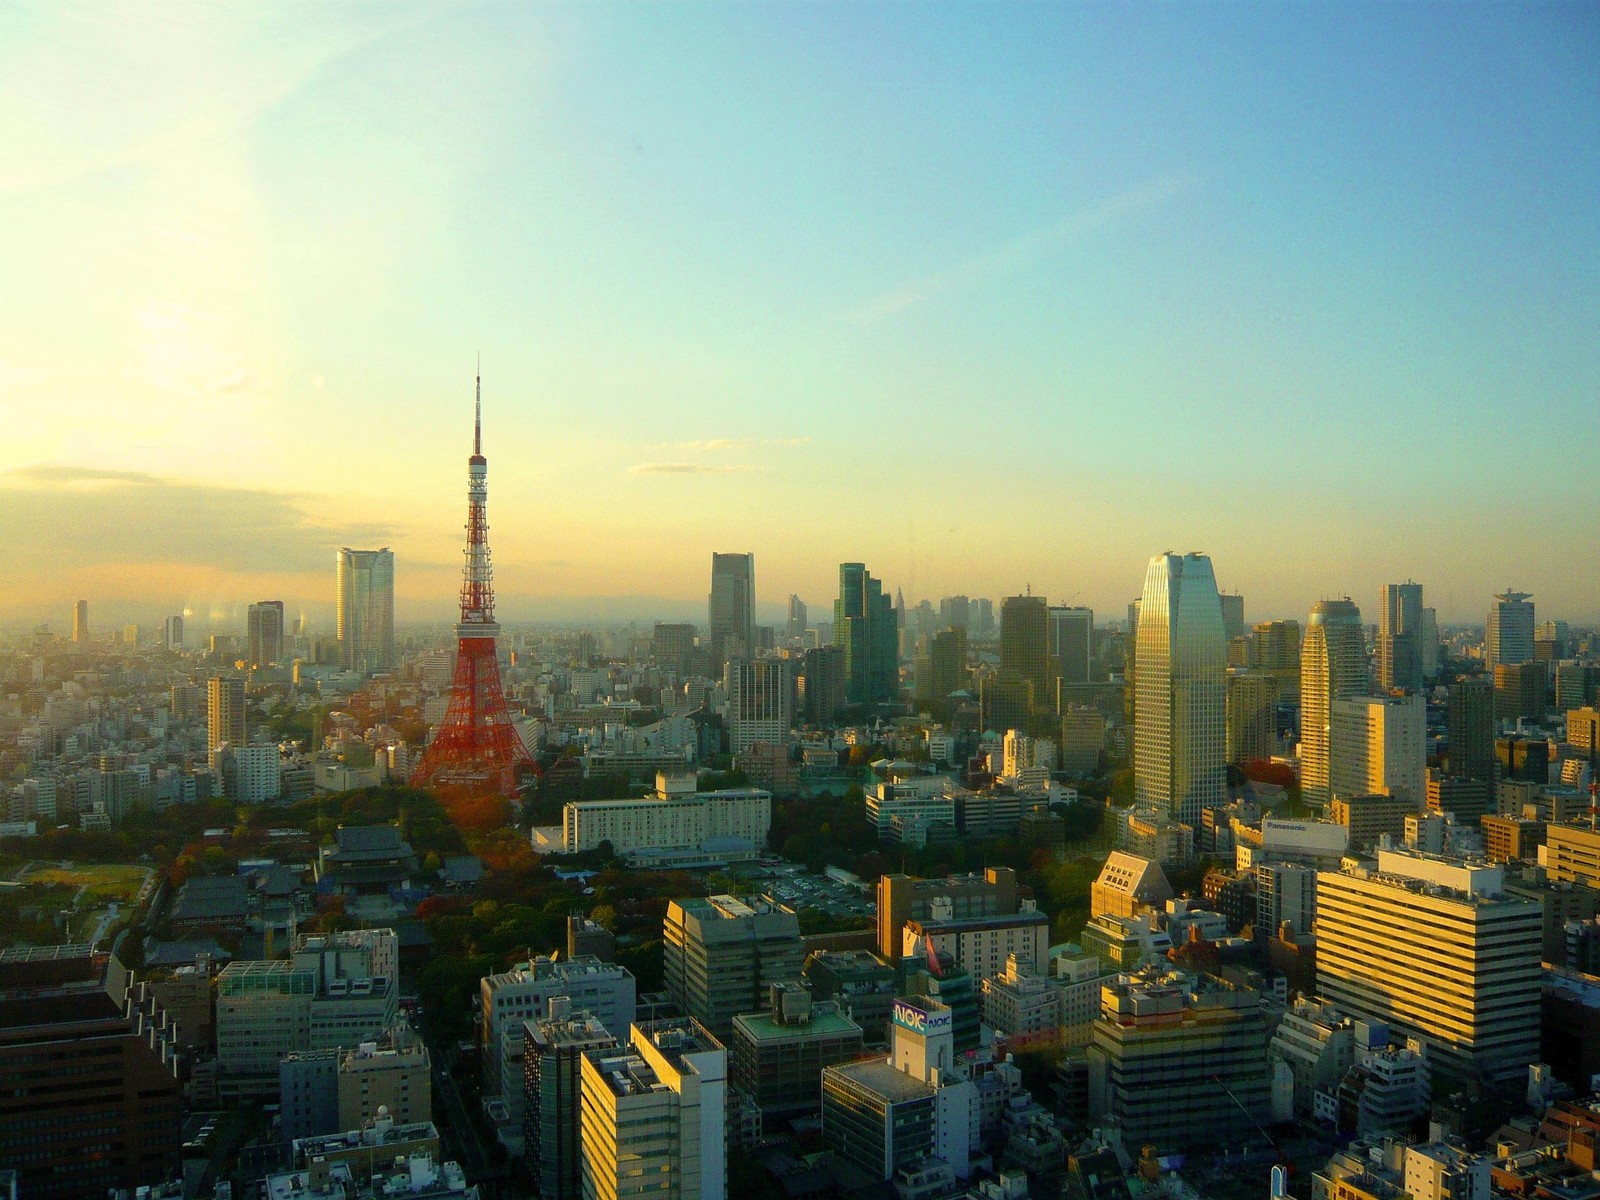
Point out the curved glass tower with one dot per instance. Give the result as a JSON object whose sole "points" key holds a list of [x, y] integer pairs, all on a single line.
{"points": [[1333, 666], [1181, 704]]}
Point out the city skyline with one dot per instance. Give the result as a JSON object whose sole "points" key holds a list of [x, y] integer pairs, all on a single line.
{"points": [[1323, 288]]}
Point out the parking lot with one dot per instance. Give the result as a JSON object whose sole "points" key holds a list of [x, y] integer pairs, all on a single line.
{"points": [[793, 885]]}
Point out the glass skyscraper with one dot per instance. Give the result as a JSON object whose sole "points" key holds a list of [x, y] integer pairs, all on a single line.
{"points": [[1180, 714], [1333, 666], [732, 606], [366, 609], [864, 626]]}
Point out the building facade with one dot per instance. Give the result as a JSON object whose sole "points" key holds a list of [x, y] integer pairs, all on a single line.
{"points": [[1333, 667], [365, 592]]}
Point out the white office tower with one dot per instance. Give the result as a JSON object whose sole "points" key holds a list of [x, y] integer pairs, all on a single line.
{"points": [[1435, 948], [1508, 631], [1180, 715], [1379, 744], [1333, 666], [654, 1115]]}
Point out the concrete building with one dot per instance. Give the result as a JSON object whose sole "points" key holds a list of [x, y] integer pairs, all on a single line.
{"points": [[264, 633], [1398, 662], [1470, 729], [1508, 630], [509, 999], [902, 898], [1333, 667], [1163, 1044], [760, 702], [91, 1100], [1367, 818], [554, 1048], [1379, 744], [859, 984], [1180, 714], [225, 721], [1572, 853], [1021, 1005], [1025, 648], [1252, 716], [776, 1056], [389, 1075], [1072, 643], [1519, 691], [1083, 740], [980, 945], [730, 823], [1128, 885], [654, 1116], [1477, 1003], [890, 1116], [1311, 1051], [722, 954]]}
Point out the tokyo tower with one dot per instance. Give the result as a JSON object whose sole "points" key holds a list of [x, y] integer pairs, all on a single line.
{"points": [[476, 751]]}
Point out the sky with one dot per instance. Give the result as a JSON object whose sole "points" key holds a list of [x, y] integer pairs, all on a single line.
{"points": [[986, 296]]}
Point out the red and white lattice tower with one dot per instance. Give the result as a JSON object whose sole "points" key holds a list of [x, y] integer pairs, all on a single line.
{"points": [[476, 749]]}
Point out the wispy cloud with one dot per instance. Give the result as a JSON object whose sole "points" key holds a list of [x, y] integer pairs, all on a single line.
{"points": [[792, 441], [713, 444], [1023, 251], [683, 468], [71, 516]]}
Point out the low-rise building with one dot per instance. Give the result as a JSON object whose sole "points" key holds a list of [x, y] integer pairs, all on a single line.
{"points": [[777, 1056]]}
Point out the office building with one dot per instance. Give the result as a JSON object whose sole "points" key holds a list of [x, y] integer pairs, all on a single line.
{"points": [[1179, 1060], [510, 999], [554, 1048], [978, 945], [888, 1116], [1398, 663], [760, 702], [80, 622], [1469, 716], [1083, 741], [173, 633], [1275, 650], [365, 594], [672, 645], [1367, 818], [655, 1116], [864, 627], [1025, 647], [776, 1056], [902, 898], [1233, 625], [797, 625], [1333, 667], [1508, 630], [822, 684], [1071, 643], [264, 626], [1519, 690], [1180, 719], [722, 955], [1252, 716], [1437, 950], [225, 724], [1572, 853], [947, 666], [858, 983], [732, 605], [1129, 885], [91, 1100], [1379, 744], [1467, 799], [391, 1075], [675, 823]]}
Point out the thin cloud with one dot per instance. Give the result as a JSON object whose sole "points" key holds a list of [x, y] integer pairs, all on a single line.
{"points": [[72, 517], [683, 468], [792, 441], [1023, 251], [713, 444]]}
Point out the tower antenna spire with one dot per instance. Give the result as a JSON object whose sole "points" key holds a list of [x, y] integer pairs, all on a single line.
{"points": [[477, 416]]}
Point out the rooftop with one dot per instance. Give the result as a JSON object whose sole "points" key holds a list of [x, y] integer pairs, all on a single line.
{"points": [[877, 1075], [826, 1021]]}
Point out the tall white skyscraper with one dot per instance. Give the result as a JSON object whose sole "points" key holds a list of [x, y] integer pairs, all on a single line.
{"points": [[1333, 666], [1180, 714], [1508, 631], [366, 609]]}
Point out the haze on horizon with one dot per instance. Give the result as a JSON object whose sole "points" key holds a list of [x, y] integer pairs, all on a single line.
{"points": [[984, 297]]}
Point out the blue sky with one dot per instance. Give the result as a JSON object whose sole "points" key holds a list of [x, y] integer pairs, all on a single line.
{"points": [[981, 295]]}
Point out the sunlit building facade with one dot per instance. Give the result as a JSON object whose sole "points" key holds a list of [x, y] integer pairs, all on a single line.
{"points": [[1180, 718], [1333, 666]]}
